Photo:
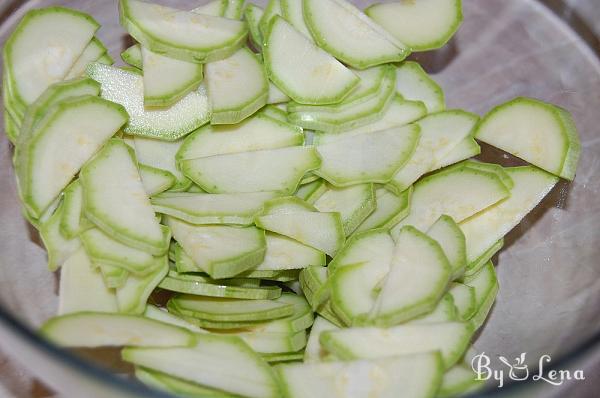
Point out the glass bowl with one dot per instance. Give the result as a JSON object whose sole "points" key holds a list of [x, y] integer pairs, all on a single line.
{"points": [[549, 269]]}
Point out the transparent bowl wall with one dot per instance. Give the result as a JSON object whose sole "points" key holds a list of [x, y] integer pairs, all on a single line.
{"points": [[549, 269]]}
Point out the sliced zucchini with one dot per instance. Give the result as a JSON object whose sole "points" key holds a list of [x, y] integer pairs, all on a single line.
{"points": [[464, 300], [356, 40], [218, 289], [67, 137], [275, 112], [114, 277], [54, 37], [126, 87], [302, 70], [101, 248], [391, 208], [357, 113], [474, 266], [106, 59], [272, 343], [410, 376], [96, 329], [219, 250], [492, 168], [537, 132], [115, 199], [292, 11], [312, 191], [155, 180], [354, 203], [284, 253], [133, 295], [410, 291], [367, 157], [485, 283], [314, 352], [465, 149], [444, 311], [222, 362], [451, 339], [161, 155], [253, 15], [11, 128], [59, 247], [531, 185], [414, 84], [322, 231], [276, 96], [272, 9], [259, 171], [440, 133], [287, 205], [92, 52], [176, 386], [398, 113], [444, 193], [285, 357], [259, 132], [204, 208], [237, 87], [168, 80], [288, 275], [73, 222], [215, 8], [452, 241], [459, 380], [231, 310], [133, 56], [358, 271], [81, 287], [234, 9], [183, 35], [162, 315], [422, 25]]}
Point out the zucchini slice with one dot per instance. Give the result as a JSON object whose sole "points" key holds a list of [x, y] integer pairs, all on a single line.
{"points": [[81, 287], [126, 87], [390, 210], [259, 132], [357, 113], [459, 380], [354, 203], [276, 96], [414, 84], [183, 35], [322, 231], [92, 52], [475, 266], [72, 222], [292, 11], [275, 112], [464, 300], [116, 201], [287, 205], [204, 208], [409, 291], [155, 180], [133, 56], [168, 80], [485, 283], [314, 352], [215, 8], [96, 329], [133, 295], [284, 253], [161, 315], [272, 343], [444, 193], [422, 25], [67, 137], [465, 149], [219, 250], [288, 275], [355, 39], [234, 9], [253, 15], [237, 87], [173, 385], [54, 37], [539, 133], [217, 289], [410, 376], [398, 113], [231, 310], [222, 362], [102, 248], [59, 247], [272, 9], [312, 191], [531, 185], [302, 70], [440, 133], [106, 59], [448, 234], [451, 339], [357, 272], [367, 157], [11, 128], [444, 311], [285, 357], [492, 168], [114, 277], [161, 155], [259, 171]]}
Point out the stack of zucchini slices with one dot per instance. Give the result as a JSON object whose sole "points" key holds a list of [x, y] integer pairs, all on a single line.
{"points": [[271, 186]]}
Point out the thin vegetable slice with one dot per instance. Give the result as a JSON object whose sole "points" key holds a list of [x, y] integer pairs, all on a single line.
{"points": [[133, 56], [448, 234], [234, 9], [114, 277], [72, 222], [465, 149], [284, 253], [217, 289], [459, 380], [59, 247], [485, 283], [176, 386], [155, 180], [475, 266], [273, 343], [464, 300], [390, 210], [133, 295], [354, 204], [253, 15], [272, 9], [303, 71], [314, 352], [414, 84], [92, 52], [215, 8]]}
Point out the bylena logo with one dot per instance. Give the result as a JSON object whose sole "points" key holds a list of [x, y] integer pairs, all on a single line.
{"points": [[518, 370]]}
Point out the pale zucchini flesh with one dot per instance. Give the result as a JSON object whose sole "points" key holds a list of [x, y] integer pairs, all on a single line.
{"points": [[272, 9], [217, 289], [155, 180], [215, 8], [133, 295], [486, 286], [314, 352], [354, 203], [284, 253], [73, 222], [444, 311], [59, 247], [390, 210], [177, 386], [252, 15], [465, 149], [161, 155], [414, 84], [114, 277], [464, 300], [459, 380], [133, 56], [312, 191], [92, 52], [448, 234], [293, 12]]}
